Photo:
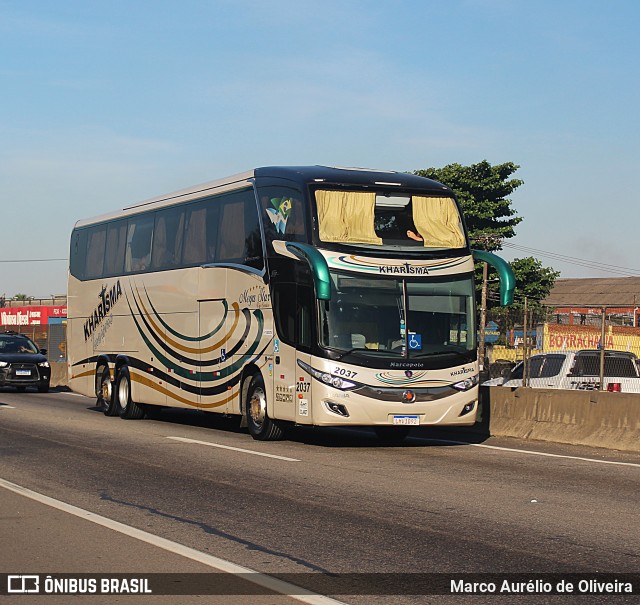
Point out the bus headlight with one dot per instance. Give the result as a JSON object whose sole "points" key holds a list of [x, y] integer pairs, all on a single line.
{"points": [[467, 383], [329, 379]]}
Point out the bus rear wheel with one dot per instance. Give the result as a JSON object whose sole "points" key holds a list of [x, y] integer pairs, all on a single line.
{"points": [[129, 409], [104, 392], [260, 425]]}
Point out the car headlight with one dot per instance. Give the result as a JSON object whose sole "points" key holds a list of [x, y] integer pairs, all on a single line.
{"points": [[3, 364], [467, 383], [329, 379], [44, 364]]}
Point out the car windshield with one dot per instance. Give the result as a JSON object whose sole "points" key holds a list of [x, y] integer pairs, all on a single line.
{"points": [[10, 344], [399, 318]]}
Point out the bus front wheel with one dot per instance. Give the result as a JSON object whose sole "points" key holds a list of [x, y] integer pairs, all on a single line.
{"points": [[129, 409], [104, 392], [260, 425]]}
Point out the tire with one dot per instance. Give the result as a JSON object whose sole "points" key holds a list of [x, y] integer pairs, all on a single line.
{"points": [[105, 399], [43, 388], [260, 426], [129, 409], [391, 435]]}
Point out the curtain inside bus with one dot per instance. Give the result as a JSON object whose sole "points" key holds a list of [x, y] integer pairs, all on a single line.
{"points": [[347, 216], [438, 222]]}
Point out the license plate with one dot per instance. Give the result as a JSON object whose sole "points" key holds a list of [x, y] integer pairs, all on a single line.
{"points": [[23, 372], [412, 420]]}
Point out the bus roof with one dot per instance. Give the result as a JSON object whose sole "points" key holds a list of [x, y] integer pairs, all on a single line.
{"points": [[301, 175]]}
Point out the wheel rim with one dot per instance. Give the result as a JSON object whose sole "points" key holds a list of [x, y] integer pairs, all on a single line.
{"points": [[106, 389], [123, 392], [258, 407]]}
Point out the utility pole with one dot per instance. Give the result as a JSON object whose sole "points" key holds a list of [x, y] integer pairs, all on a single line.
{"points": [[525, 340], [483, 315], [603, 336]]}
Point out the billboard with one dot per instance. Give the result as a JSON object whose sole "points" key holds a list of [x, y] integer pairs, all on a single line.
{"points": [[14, 317]]}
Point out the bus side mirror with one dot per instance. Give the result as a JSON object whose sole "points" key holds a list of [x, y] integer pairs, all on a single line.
{"points": [[318, 265], [505, 272]]}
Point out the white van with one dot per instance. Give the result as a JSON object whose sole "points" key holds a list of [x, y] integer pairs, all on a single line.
{"points": [[578, 370]]}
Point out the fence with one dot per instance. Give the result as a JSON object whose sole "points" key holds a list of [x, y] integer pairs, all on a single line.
{"points": [[587, 349], [52, 337]]}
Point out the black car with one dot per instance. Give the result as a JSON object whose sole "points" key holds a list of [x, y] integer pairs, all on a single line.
{"points": [[22, 364]]}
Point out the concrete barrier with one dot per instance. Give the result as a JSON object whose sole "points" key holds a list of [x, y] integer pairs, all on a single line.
{"points": [[59, 374], [593, 418]]}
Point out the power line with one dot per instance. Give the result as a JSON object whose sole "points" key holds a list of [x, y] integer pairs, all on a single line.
{"points": [[34, 260], [605, 267]]}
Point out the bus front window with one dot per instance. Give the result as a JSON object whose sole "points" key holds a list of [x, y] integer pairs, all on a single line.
{"points": [[398, 318]]}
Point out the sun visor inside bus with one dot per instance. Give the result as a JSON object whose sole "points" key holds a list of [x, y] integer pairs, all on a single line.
{"points": [[507, 277], [319, 267]]}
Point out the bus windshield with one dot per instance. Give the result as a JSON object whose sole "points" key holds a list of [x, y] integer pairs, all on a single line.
{"points": [[399, 317]]}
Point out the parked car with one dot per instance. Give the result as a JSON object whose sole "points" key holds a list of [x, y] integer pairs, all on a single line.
{"points": [[576, 370], [22, 364]]}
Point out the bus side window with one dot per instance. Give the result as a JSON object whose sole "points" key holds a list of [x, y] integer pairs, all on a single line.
{"points": [[139, 236], [95, 252], [283, 214], [195, 237], [167, 239], [78, 253], [238, 238], [231, 231], [304, 317], [116, 243], [293, 306]]}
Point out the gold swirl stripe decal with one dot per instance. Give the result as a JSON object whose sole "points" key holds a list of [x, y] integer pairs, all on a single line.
{"points": [[144, 380], [185, 349]]}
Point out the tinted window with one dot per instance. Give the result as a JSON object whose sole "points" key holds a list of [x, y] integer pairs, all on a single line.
{"points": [[195, 237], [588, 364], [168, 234], [95, 252], [293, 307], [116, 243], [139, 237], [238, 239], [77, 253], [545, 366], [283, 214]]}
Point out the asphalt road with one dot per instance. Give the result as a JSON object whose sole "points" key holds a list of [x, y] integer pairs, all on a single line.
{"points": [[323, 502]]}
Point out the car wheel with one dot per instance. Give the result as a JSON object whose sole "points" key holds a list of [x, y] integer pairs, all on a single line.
{"points": [[391, 435], [104, 392], [43, 388], [261, 427], [129, 409]]}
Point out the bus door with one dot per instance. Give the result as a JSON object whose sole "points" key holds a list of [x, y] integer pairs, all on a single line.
{"points": [[213, 318], [293, 306]]}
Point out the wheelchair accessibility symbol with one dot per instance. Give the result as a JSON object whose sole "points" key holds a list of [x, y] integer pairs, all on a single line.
{"points": [[415, 341]]}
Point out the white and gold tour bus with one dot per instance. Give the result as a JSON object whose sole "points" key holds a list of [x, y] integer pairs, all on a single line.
{"points": [[284, 295]]}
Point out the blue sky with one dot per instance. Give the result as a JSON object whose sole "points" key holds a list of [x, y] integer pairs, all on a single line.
{"points": [[108, 103]]}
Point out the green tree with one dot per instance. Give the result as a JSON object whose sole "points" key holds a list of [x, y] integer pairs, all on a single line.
{"points": [[533, 281], [483, 191], [20, 297]]}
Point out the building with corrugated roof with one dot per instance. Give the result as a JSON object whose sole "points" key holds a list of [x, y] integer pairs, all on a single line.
{"points": [[580, 297]]}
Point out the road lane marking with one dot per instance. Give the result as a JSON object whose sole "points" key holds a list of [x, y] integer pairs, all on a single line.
{"points": [[250, 575], [235, 449], [532, 453]]}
